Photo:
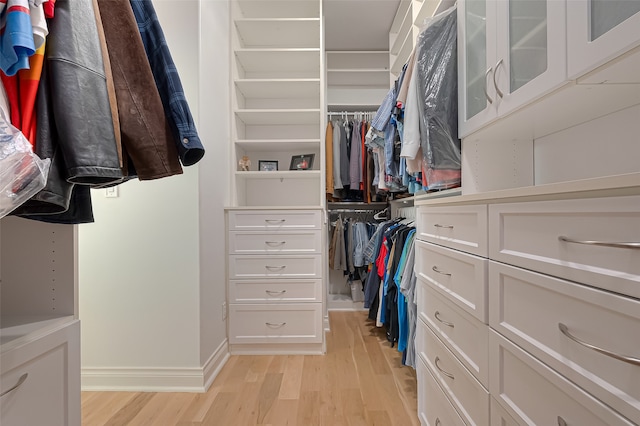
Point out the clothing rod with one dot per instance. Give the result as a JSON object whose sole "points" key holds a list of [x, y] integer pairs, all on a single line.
{"points": [[343, 113], [353, 211]]}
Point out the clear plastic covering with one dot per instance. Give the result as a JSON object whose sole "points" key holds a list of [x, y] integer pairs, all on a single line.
{"points": [[22, 173], [437, 81]]}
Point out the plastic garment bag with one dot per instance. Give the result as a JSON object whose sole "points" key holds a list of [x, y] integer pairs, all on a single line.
{"points": [[437, 90], [22, 173]]}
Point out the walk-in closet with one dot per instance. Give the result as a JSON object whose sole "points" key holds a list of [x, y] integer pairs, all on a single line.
{"points": [[319, 212]]}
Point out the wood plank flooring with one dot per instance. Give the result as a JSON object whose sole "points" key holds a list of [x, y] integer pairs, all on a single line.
{"points": [[359, 382]]}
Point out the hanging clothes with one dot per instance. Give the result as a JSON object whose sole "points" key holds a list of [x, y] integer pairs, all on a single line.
{"points": [[328, 142]]}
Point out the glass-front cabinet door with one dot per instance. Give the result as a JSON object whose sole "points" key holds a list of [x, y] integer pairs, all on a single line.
{"points": [[476, 56], [531, 61], [599, 31]]}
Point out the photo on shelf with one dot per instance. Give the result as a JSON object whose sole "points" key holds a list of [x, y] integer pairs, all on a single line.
{"points": [[302, 162], [267, 165]]}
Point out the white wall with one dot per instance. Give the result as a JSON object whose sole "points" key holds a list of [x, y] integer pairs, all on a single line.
{"points": [[151, 268]]}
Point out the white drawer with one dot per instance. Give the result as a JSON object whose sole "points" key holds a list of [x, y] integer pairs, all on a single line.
{"points": [[459, 276], [50, 394], [459, 227], [527, 235], [248, 220], [463, 334], [469, 397], [533, 394], [434, 409], [499, 416], [270, 291], [274, 242], [528, 307], [275, 266], [287, 323]]}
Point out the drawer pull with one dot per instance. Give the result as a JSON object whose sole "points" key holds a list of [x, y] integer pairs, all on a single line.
{"points": [[495, 83], [275, 243], [449, 324], [561, 421], [601, 243], [435, 269], [630, 360], [275, 325], [486, 94], [275, 293], [438, 422], [437, 225], [275, 268], [449, 375], [271, 221], [21, 380]]}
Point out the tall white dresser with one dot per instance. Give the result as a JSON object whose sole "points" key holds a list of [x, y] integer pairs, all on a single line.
{"points": [[275, 220]]}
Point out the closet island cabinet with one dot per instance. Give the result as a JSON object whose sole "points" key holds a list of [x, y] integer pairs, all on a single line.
{"points": [[275, 220], [39, 327]]}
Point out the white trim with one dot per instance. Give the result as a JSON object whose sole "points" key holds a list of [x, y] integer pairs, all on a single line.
{"points": [[146, 379]]}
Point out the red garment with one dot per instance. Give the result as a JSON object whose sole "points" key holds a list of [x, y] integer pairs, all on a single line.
{"points": [[380, 260], [48, 7]]}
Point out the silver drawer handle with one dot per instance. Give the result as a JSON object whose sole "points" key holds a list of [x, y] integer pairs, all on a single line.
{"points": [[276, 325], [601, 243], [274, 293], [449, 375], [437, 225], [437, 315], [275, 220], [435, 269], [21, 380], [438, 423], [628, 359], [495, 83], [561, 421], [486, 94], [275, 268], [275, 243]]}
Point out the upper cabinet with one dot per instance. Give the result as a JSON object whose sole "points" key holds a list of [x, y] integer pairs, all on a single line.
{"points": [[510, 53], [599, 31], [277, 102]]}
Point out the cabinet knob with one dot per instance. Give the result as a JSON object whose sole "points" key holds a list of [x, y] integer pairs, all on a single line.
{"points": [[495, 83]]}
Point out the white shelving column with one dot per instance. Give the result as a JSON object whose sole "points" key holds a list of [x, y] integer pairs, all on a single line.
{"points": [[275, 224]]}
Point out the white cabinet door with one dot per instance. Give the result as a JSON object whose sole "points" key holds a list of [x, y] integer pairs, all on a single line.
{"points": [[477, 101], [599, 31], [532, 55]]}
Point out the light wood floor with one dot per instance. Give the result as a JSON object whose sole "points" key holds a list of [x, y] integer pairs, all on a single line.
{"points": [[360, 381]]}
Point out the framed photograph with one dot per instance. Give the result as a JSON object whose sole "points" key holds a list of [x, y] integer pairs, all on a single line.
{"points": [[267, 165], [301, 162]]}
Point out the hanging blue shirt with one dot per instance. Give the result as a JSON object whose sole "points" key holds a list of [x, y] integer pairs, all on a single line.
{"points": [[168, 82]]}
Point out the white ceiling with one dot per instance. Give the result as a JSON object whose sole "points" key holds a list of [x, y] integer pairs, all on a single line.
{"points": [[358, 24]]}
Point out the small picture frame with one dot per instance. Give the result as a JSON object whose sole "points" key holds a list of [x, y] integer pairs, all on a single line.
{"points": [[267, 165], [301, 162]]}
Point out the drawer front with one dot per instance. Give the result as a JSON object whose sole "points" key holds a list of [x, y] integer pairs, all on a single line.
{"points": [[458, 227], [288, 323], [254, 220], [528, 307], [467, 394], [463, 334], [499, 416], [274, 242], [529, 235], [534, 394], [459, 276], [275, 291], [50, 394], [434, 409], [242, 267]]}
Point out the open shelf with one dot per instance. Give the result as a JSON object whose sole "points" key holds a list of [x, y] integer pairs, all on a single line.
{"points": [[279, 145], [285, 62], [287, 32], [279, 9], [405, 51], [405, 28], [278, 116], [280, 174], [278, 88]]}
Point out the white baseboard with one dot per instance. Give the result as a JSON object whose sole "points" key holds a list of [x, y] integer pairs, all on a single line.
{"points": [[143, 379]]}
